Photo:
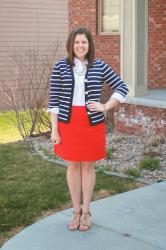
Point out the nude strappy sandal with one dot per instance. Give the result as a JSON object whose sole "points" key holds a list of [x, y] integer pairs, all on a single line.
{"points": [[85, 221], [75, 221]]}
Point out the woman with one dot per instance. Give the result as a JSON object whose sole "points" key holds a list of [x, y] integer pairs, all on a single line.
{"points": [[77, 117]]}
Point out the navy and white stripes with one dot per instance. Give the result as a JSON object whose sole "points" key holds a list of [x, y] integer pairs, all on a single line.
{"points": [[62, 88]]}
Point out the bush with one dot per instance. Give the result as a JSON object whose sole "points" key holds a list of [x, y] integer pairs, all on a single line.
{"points": [[149, 163], [26, 89], [108, 154]]}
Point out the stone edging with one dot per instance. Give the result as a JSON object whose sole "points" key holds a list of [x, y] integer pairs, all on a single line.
{"points": [[47, 158]]}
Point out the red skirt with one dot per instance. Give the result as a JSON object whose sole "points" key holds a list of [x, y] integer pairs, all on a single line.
{"points": [[81, 141]]}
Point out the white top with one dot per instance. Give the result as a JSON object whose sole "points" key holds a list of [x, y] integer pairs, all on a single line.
{"points": [[79, 70]]}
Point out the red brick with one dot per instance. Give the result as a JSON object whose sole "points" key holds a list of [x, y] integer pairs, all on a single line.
{"points": [[108, 47], [156, 34], [149, 120]]}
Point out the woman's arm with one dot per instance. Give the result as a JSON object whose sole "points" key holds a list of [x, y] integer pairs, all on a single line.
{"points": [[111, 103], [53, 105], [112, 79], [120, 91], [97, 106], [55, 137]]}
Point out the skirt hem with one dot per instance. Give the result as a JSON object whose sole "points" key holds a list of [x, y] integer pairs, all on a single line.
{"points": [[82, 160]]}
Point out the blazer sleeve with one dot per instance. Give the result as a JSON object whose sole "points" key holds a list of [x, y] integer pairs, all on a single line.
{"points": [[113, 80], [55, 82]]}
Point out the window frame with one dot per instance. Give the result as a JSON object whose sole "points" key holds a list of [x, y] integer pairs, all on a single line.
{"points": [[99, 18]]}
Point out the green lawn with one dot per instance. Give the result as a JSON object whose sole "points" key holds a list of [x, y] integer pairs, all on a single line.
{"points": [[31, 188], [8, 132], [8, 128]]}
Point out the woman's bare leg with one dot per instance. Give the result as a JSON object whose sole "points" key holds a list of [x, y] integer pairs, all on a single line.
{"points": [[88, 183], [74, 183]]}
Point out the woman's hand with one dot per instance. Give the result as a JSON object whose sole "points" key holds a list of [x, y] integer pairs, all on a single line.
{"points": [[55, 137], [96, 106]]}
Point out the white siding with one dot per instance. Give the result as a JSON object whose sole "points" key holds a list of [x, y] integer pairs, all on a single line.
{"points": [[35, 23]]}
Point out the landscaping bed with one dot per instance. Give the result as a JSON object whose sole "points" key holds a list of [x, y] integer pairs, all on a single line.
{"points": [[138, 156]]}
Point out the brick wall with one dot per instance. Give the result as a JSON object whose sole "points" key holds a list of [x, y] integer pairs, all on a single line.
{"points": [[107, 47], [136, 119], [132, 119], [157, 44]]}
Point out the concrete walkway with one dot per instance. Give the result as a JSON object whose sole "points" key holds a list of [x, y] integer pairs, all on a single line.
{"points": [[134, 220]]}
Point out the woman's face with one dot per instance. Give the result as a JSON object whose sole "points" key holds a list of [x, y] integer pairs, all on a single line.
{"points": [[81, 46]]}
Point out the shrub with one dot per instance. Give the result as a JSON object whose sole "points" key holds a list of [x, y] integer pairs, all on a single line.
{"points": [[149, 163], [108, 154], [26, 89]]}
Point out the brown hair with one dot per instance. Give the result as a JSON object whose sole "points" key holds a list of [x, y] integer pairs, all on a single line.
{"points": [[70, 45]]}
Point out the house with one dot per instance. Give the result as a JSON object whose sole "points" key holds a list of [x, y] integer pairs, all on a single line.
{"points": [[128, 34], [29, 24]]}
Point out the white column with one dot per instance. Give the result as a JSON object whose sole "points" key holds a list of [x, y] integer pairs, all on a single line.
{"points": [[134, 45]]}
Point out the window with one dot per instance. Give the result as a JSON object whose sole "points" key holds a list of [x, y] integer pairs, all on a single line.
{"points": [[109, 16]]}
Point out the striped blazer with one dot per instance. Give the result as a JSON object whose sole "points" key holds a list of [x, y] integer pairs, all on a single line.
{"points": [[62, 88]]}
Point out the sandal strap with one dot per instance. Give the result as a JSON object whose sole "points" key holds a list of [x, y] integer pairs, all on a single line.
{"points": [[75, 212], [74, 219], [88, 213], [85, 220]]}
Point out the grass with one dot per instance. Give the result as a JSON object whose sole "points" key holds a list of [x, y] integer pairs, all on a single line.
{"points": [[108, 154], [28, 186], [149, 163], [133, 172], [8, 132], [31, 188], [8, 129]]}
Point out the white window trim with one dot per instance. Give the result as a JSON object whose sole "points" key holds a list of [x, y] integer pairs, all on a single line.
{"points": [[99, 13]]}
